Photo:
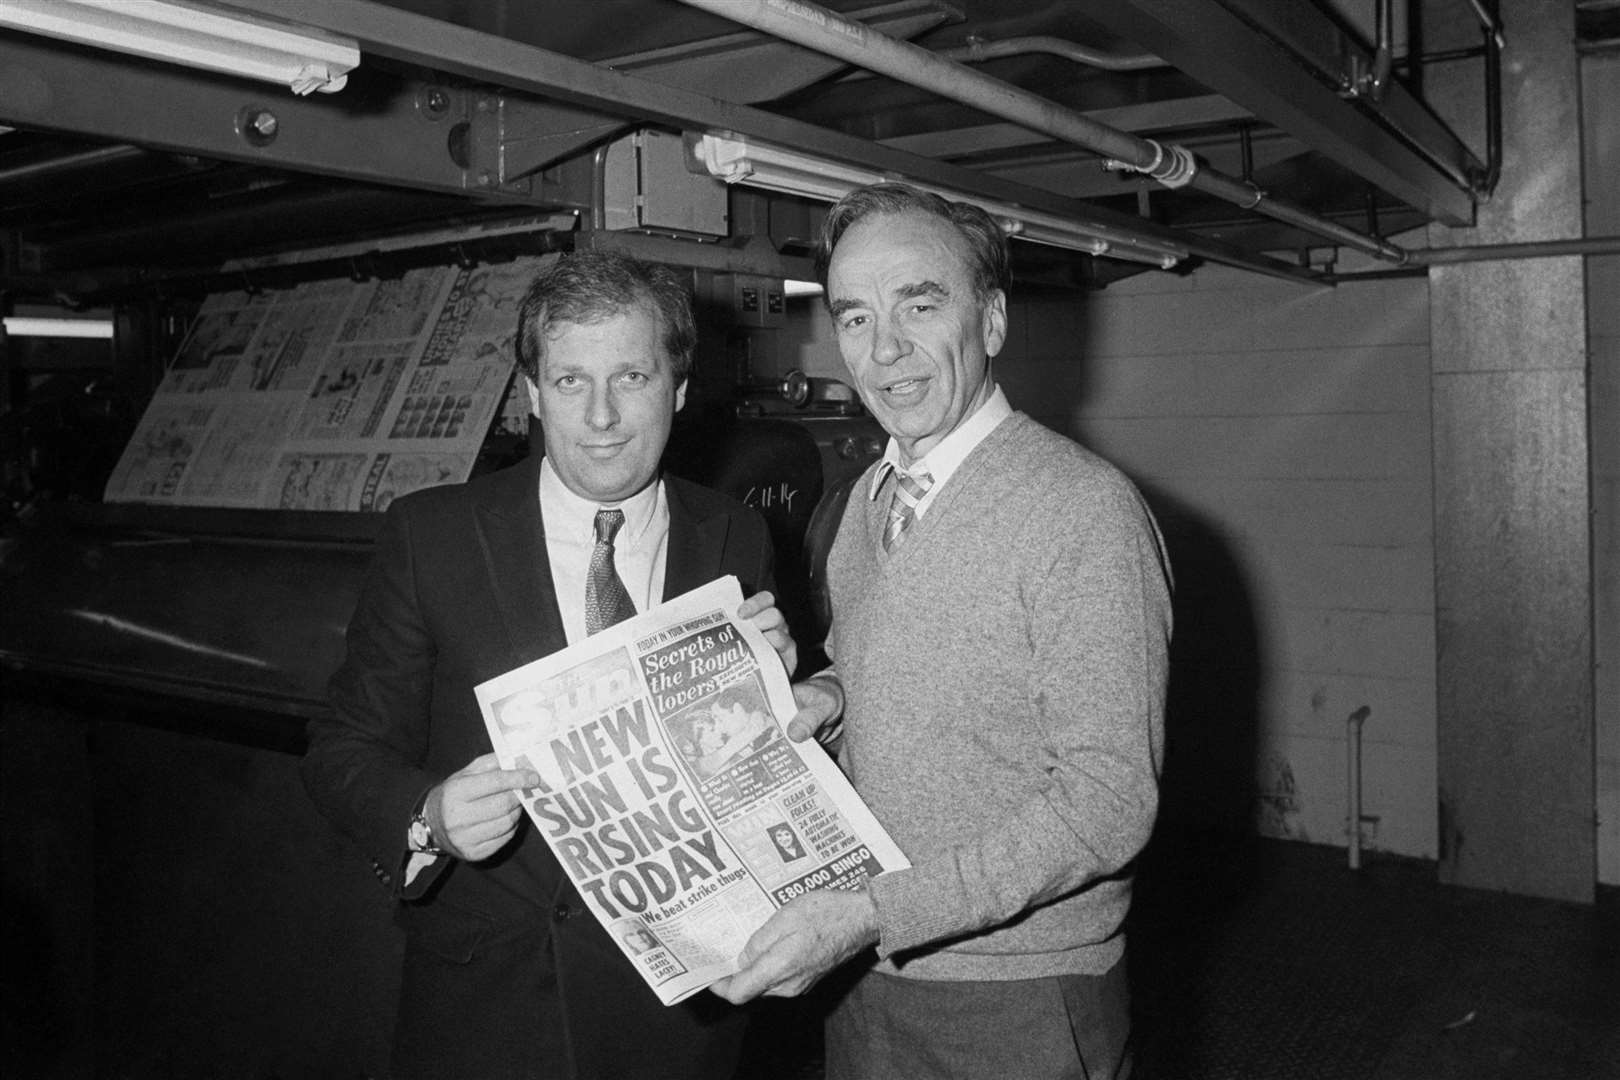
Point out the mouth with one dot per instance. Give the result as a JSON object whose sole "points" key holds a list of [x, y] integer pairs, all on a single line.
{"points": [[602, 450], [906, 388]]}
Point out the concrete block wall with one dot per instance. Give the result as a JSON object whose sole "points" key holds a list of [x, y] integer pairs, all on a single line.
{"points": [[1281, 432]]}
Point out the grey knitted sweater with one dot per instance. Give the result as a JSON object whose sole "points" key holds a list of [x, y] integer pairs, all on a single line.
{"points": [[1004, 671]]}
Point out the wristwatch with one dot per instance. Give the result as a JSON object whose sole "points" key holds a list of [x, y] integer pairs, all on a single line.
{"points": [[421, 834]]}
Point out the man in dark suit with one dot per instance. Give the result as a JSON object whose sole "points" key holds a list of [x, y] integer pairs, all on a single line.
{"points": [[506, 972]]}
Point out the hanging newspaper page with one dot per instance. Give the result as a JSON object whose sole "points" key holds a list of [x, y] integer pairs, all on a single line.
{"points": [[669, 791], [331, 395]]}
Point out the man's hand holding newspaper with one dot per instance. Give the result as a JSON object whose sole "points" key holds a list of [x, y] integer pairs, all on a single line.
{"points": [[669, 792]]}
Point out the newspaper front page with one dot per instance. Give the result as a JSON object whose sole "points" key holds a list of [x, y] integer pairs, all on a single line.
{"points": [[669, 791]]}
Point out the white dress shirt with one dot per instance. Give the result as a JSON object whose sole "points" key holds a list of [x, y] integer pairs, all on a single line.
{"points": [[949, 453], [639, 549]]}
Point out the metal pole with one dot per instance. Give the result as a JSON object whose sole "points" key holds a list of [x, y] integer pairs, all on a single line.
{"points": [[1423, 258], [1534, 249], [818, 28]]}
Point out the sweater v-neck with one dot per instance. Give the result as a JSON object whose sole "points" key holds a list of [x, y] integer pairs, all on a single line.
{"points": [[918, 532]]}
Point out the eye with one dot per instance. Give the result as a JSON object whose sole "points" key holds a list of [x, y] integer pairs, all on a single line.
{"points": [[852, 322], [566, 382], [634, 378]]}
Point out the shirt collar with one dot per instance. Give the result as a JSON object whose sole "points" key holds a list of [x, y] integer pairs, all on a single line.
{"points": [[947, 456], [570, 515]]}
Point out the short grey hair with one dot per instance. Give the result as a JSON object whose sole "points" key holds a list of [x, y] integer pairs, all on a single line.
{"points": [[989, 262]]}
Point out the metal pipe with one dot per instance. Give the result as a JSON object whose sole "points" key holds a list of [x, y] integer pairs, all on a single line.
{"points": [[78, 161], [1488, 21], [1352, 824], [1422, 259], [1535, 249], [1484, 184], [978, 49], [1384, 57], [818, 28]]}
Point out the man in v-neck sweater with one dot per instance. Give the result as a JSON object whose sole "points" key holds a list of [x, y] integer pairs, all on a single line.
{"points": [[1001, 625]]}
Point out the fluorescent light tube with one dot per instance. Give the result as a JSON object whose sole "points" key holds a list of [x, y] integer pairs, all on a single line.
{"points": [[195, 35], [762, 165], [24, 326]]}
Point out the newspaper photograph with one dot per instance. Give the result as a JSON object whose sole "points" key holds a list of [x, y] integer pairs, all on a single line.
{"points": [[670, 792]]}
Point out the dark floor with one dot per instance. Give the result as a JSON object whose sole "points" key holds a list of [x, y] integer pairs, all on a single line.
{"points": [[1269, 960], [1275, 960]]}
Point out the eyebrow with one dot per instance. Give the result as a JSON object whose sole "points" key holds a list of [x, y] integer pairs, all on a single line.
{"points": [[924, 288], [906, 292]]}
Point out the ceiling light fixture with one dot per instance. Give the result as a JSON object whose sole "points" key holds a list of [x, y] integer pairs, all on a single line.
{"points": [[24, 326], [761, 165], [195, 35]]}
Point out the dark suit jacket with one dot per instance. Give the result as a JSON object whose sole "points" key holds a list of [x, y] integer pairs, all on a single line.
{"points": [[507, 974]]}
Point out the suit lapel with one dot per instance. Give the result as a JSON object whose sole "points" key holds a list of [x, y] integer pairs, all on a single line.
{"points": [[697, 543], [512, 532]]}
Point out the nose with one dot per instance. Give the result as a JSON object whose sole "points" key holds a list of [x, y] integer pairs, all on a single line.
{"points": [[888, 344], [601, 412]]}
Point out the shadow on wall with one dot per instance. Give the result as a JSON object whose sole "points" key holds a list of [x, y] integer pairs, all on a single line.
{"points": [[1212, 712], [1201, 860]]}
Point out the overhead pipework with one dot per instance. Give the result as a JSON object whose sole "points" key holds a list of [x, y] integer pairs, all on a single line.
{"points": [[817, 27], [775, 168]]}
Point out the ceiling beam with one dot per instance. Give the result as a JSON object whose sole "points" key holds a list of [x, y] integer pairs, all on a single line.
{"points": [[456, 50], [1231, 54]]}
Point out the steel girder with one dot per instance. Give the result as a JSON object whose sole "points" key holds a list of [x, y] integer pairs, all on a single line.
{"points": [[1251, 52]]}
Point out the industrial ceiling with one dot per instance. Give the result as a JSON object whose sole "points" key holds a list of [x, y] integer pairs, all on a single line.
{"points": [[1174, 132]]}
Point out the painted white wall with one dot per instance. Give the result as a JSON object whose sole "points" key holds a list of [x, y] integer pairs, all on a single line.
{"points": [[1282, 431]]}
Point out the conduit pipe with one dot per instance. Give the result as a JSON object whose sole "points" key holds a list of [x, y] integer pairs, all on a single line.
{"points": [[1424, 258], [978, 49], [816, 27], [1530, 249], [1352, 822]]}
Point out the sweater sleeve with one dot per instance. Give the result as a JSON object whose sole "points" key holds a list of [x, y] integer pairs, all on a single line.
{"points": [[1097, 606]]}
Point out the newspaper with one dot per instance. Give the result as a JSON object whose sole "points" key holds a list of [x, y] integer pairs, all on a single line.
{"points": [[331, 395], [670, 793]]}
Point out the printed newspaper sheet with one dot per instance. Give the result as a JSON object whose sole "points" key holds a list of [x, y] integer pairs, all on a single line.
{"points": [[331, 395], [669, 791]]}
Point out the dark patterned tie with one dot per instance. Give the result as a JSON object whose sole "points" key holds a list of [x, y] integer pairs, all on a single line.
{"points": [[903, 510], [606, 601]]}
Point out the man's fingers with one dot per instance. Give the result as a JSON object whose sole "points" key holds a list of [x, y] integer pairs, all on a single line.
{"points": [[475, 831], [471, 786], [818, 710], [755, 604], [802, 726]]}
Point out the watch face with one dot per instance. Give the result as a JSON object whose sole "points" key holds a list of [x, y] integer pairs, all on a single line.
{"points": [[421, 839]]}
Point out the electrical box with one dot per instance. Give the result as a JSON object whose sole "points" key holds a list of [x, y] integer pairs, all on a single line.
{"points": [[646, 185], [757, 300]]}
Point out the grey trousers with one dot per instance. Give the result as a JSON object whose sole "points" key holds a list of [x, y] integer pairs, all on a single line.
{"points": [[1067, 1027]]}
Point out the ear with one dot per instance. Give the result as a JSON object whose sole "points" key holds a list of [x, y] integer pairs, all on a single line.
{"points": [[534, 396], [995, 323], [680, 396]]}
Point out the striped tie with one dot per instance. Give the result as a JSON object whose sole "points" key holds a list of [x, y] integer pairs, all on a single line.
{"points": [[907, 494], [606, 601]]}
